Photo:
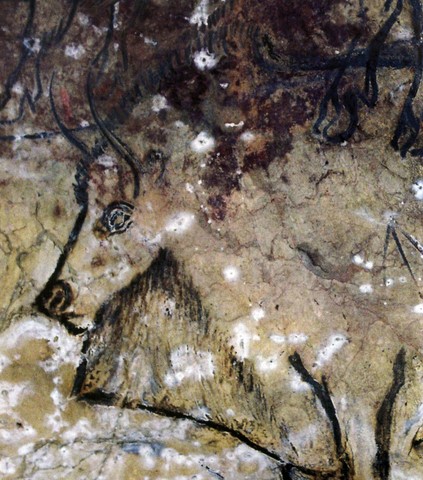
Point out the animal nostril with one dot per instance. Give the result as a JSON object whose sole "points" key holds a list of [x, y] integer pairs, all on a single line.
{"points": [[56, 299]]}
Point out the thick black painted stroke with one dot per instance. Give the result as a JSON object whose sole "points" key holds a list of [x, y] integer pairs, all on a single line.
{"points": [[103, 398], [381, 465], [352, 98], [322, 393]]}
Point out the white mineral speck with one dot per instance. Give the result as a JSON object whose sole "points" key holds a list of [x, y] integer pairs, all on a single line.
{"points": [[241, 340], [75, 51], [83, 19], [279, 339], [189, 364], [247, 137], [200, 15], [368, 265], [159, 102], [418, 308], [203, 143], [297, 338], [266, 364], [234, 125], [204, 60], [180, 222], [358, 259], [335, 343], [417, 189], [231, 273], [257, 313], [366, 288]]}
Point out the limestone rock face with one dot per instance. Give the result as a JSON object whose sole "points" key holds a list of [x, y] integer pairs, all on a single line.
{"points": [[211, 240]]}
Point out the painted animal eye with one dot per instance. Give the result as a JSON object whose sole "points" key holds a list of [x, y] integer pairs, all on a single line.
{"points": [[116, 217]]}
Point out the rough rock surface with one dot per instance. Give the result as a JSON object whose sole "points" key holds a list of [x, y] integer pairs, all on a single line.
{"points": [[210, 240]]}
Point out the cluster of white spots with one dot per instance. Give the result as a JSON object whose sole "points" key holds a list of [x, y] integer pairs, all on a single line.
{"points": [[359, 260], [403, 33], [304, 438], [7, 466], [116, 20], [150, 41], [257, 314], [247, 137], [279, 339], [398, 474], [107, 161], [189, 364], [203, 143], [159, 102], [84, 123], [66, 349], [55, 421], [75, 51], [168, 307], [201, 413], [418, 308], [292, 338], [244, 455], [17, 88], [241, 340], [266, 364], [224, 85], [82, 429], [180, 222], [200, 15], [12, 394], [335, 343], [234, 125], [58, 399], [169, 455], [389, 282], [417, 189], [83, 19], [366, 288], [204, 60], [297, 338], [179, 124], [231, 273], [189, 188], [4, 362], [32, 44], [148, 456]]}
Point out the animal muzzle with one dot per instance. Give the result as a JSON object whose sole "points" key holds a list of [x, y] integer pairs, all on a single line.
{"points": [[56, 299]]}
